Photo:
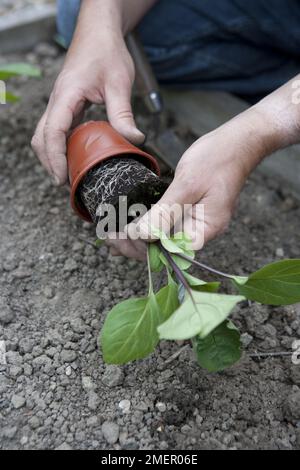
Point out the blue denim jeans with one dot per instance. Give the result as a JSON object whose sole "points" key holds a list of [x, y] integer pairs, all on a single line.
{"points": [[247, 48]]}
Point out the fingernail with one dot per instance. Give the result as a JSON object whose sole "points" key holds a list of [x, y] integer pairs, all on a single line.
{"points": [[140, 135]]}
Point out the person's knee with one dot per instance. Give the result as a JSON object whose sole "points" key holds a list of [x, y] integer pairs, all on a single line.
{"points": [[67, 13]]}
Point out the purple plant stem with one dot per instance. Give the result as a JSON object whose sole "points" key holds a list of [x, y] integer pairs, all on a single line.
{"points": [[177, 271], [204, 266]]}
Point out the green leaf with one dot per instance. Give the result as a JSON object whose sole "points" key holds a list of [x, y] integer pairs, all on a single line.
{"points": [[200, 317], [164, 260], [178, 243], [171, 246], [182, 237], [183, 264], [99, 243], [182, 240], [12, 70], [219, 350], [156, 263], [9, 98], [200, 285], [240, 280], [157, 233], [130, 330], [275, 284], [167, 299], [183, 243]]}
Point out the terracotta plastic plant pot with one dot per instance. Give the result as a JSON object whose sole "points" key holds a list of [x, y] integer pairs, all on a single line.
{"points": [[90, 147]]}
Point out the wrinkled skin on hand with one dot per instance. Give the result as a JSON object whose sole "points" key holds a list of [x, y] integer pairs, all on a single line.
{"points": [[89, 76], [211, 173]]}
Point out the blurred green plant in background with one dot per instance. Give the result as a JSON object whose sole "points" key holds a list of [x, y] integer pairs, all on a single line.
{"points": [[13, 70]]}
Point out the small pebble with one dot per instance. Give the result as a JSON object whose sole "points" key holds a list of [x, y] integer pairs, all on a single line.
{"points": [[246, 340], [48, 292], [113, 376], [64, 446], [124, 406], [18, 401], [24, 440], [68, 355], [293, 406], [87, 383], [10, 432], [280, 253], [3, 361], [110, 432], [161, 406], [6, 313], [93, 401]]}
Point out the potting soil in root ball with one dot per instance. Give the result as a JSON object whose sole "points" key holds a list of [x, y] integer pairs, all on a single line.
{"points": [[117, 178]]}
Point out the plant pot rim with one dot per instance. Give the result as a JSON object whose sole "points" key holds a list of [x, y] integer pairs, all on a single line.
{"points": [[87, 162]]}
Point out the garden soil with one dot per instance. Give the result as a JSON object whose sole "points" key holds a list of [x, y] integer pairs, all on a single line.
{"points": [[56, 289]]}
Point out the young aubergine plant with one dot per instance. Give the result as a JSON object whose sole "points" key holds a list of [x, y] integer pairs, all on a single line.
{"points": [[188, 308], [13, 70]]}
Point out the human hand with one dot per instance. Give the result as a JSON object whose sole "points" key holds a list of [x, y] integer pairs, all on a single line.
{"points": [[209, 176], [93, 73]]}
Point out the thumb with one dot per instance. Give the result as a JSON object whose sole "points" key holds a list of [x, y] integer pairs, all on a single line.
{"points": [[120, 116], [167, 214]]}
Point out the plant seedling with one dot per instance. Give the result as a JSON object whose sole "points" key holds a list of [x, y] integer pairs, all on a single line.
{"points": [[133, 329], [14, 70]]}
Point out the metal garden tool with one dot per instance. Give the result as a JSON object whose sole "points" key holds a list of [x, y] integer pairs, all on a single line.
{"points": [[161, 141]]}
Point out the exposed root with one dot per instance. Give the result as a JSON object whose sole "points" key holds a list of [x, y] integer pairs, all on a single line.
{"points": [[120, 177]]}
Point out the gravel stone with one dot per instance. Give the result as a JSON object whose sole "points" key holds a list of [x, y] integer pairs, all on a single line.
{"points": [[246, 340], [93, 422], [111, 432], [124, 406], [70, 266], [4, 384], [68, 355], [93, 401], [64, 446], [24, 440], [41, 361], [15, 371], [26, 345], [10, 432], [113, 376], [161, 407], [3, 360], [280, 253], [78, 325], [34, 422], [6, 314], [295, 375], [298, 437], [18, 401], [88, 384], [14, 358], [293, 406]]}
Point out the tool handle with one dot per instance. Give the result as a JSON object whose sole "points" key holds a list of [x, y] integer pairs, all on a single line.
{"points": [[145, 79]]}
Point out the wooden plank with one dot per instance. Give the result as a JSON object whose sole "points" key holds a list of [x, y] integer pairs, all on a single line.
{"points": [[203, 112], [23, 29]]}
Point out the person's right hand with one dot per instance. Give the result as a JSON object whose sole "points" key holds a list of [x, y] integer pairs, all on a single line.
{"points": [[93, 73]]}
